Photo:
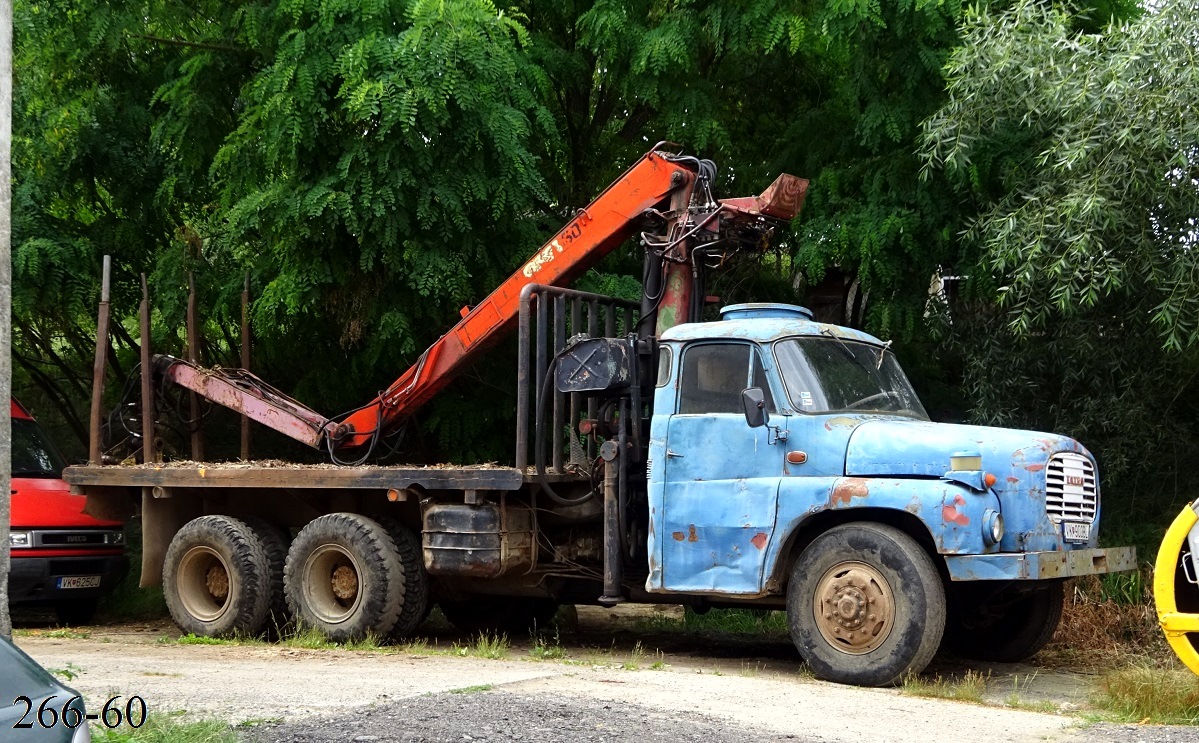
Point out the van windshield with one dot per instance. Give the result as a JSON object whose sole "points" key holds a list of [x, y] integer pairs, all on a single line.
{"points": [[32, 453], [834, 374]]}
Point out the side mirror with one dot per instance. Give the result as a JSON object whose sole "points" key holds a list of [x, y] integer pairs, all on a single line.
{"points": [[754, 403]]}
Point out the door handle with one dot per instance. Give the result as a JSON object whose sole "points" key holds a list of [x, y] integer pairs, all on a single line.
{"points": [[672, 454]]}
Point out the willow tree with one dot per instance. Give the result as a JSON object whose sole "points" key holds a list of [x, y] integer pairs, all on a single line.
{"points": [[1080, 151]]}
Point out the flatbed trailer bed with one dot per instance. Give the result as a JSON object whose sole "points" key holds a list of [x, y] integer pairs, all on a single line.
{"points": [[167, 495], [276, 473]]}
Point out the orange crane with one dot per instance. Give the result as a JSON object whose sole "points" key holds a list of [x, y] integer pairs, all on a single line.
{"points": [[669, 193]]}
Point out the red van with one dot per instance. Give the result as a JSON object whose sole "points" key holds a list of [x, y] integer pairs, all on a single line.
{"points": [[60, 557]]}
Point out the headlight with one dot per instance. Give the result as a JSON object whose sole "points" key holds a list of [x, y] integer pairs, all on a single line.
{"points": [[20, 539], [992, 527]]}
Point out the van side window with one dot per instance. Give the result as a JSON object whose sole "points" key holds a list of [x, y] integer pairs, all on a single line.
{"points": [[713, 376]]}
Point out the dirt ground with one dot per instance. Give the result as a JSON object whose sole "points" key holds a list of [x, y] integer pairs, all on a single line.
{"points": [[619, 677]]}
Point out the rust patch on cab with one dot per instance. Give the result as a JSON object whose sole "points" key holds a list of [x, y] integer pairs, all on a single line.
{"points": [[848, 489], [679, 536], [691, 535], [952, 515], [759, 540], [1035, 467]]}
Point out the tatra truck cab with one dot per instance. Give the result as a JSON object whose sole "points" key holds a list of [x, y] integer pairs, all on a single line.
{"points": [[792, 457], [61, 557]]}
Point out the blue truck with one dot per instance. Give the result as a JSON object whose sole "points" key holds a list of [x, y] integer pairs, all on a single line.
{"points": [[759, 460]]}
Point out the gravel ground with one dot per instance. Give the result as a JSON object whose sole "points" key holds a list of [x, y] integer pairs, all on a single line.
{"points": [[497, 716], [1139, 734], [697, 689], [501, 717]]}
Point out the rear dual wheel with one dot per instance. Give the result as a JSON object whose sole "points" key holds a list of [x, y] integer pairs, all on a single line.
{"points": [[216, 578], [349, 576], [344, 574]]}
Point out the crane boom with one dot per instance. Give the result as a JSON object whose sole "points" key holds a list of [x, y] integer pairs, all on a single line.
{"points": [[655, 181]]}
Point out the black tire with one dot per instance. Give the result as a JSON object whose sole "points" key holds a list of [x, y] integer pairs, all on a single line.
{"points": [[511, 615], [344, 577], [215, 578], [275, 540], [77, 612], [417, 606], [842, 573], [1006, 630]]}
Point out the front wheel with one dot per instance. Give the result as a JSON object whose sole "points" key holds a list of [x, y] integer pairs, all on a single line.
{"points": [[865, 605]]}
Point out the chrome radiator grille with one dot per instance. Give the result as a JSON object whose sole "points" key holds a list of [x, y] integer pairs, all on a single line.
{"points": [[1071, 493]]}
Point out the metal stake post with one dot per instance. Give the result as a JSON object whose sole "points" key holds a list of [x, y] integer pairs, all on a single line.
{"points": [[100, 365]]}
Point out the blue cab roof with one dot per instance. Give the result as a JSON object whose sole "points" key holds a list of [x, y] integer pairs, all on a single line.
{"points": [[763, 323]]}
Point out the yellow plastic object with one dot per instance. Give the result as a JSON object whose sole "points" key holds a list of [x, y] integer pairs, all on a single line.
{"points": [[1176, 624]]}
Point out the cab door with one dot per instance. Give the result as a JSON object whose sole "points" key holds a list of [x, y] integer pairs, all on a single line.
{"points": [[721, 477]]}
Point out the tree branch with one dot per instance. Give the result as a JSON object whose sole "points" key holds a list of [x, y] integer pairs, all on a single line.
{"points": [[193, 44]]}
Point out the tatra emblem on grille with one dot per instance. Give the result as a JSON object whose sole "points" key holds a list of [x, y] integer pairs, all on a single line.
{"points": [[1074, 480]]}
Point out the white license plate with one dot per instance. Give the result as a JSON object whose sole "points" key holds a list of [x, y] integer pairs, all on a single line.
{"points": [[79, 581], [1076, 532]]}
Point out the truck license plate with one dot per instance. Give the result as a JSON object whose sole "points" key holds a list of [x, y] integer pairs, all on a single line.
{"points": [[79, 581], [1076, 532]]}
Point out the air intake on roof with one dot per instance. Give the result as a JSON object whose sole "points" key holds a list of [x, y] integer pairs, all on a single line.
{"points": [[764, 310]]}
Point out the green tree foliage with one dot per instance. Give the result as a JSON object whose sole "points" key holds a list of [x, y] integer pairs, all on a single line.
{"points": [[1079, 151], [85, 176], [374, 166]]}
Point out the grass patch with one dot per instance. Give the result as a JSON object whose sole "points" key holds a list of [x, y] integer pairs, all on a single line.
{"points": [[1109, 623], [308, 638], [472, 689], [67, 674], [164, 729], [547, 648], [486, 645], [968, 688], [725, 621], [1152, 695], [68, 634], [190, 639]]}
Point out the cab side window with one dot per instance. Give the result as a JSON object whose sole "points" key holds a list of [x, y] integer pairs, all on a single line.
{"points": [[713, 376], [761, 382]]}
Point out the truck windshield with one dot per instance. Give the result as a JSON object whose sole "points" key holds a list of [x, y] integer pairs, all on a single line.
{"points": [[830, 374], [32, 453]]}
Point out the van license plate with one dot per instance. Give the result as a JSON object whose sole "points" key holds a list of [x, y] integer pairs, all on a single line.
{"points": [[1076, 532], [79, 581]]}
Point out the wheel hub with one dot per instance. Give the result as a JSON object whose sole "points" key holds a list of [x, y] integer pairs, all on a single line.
{"points": [[854, 608], [345, 583], [332, 583], [217, 581], [203, 583]]}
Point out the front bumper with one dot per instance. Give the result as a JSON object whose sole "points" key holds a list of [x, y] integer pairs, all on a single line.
{"points": [[1041, 565], [34, 580]]}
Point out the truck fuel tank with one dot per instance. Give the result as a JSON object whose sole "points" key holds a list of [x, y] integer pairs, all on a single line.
{"points": [[478, 541]]}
